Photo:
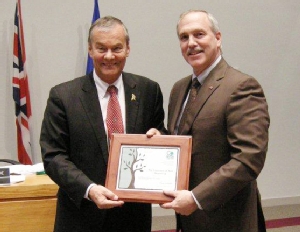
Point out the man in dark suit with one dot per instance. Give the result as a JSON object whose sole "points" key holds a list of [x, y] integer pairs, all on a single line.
{"points": [[228, 120], [74, 140]]}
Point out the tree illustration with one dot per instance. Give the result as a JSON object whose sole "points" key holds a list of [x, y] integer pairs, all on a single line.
{"points": [[135, 164]]}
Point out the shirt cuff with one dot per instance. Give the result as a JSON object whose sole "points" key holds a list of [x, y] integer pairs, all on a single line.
{"points": [[86, 195], [197, 202]]}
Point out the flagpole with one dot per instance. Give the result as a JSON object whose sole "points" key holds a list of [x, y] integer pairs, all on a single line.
{"points": [[21, 93], [96, 15]]}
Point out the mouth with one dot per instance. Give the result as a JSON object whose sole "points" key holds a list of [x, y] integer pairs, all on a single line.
{"points": [[194, 51], [109, 65]]}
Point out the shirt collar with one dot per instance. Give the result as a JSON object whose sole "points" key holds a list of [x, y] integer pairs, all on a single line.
{"points": [[102, 86], [205, 73]]}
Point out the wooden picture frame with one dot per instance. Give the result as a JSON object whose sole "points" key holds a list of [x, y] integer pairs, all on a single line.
{"points": [[140, 168]]}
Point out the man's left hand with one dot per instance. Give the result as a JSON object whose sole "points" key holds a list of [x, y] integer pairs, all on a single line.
{"points": [[183, 202]]}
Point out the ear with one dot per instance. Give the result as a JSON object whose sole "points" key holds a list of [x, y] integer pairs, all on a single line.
{"points": [[90, 51], [218, 37], [127, 50]]}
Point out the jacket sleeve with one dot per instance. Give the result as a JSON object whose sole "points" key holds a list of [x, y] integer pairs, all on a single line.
{"points": [[246, 124], [55, 148], [159, 114]]}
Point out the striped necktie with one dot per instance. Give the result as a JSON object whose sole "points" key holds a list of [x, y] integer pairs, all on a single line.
{"points": [[193, 93]]}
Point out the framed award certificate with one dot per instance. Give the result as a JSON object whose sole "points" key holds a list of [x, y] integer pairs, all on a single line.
{"points": [[140, 168]]}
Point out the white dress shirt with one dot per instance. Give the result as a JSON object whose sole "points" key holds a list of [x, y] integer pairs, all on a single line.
{"points": [[103, 97], [201, 79]]}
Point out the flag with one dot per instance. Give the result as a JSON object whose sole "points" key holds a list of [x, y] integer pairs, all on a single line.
{"points": [[96, 15], [21, 90]]}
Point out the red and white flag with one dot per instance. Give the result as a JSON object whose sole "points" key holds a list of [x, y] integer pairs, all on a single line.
{"points": [[21, 94]]}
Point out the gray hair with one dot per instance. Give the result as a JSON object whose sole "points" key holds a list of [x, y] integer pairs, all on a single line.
{"points": [[213, 21], [108, 22]]}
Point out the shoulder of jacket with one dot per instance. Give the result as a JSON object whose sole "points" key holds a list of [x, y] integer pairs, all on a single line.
{"points": [[137, 78], [78, 81], [183, 80]]}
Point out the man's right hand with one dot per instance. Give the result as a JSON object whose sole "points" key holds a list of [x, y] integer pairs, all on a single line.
{"points": [[152, 131], [104, 198]]}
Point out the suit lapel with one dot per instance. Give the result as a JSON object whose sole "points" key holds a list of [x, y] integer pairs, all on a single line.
{"points": [[132, 98], [178, 96], [91, 105], [211, 83]]}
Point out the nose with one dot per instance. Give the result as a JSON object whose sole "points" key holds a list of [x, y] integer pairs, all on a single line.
{"points": [[192, 42], [109, 55]]}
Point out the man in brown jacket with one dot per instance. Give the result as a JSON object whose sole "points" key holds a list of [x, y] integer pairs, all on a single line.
{"points": [[229, 121]]}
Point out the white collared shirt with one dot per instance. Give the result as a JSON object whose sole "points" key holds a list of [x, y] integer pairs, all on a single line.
{"points": [[104, 96], [201, 79]]}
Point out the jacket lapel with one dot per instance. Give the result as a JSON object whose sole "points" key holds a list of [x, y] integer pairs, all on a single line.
{"points": [[210, 84], [177, 96], [132, 101], [91, 105]]}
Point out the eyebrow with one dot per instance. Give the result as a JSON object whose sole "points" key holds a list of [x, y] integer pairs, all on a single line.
{"points": [[113, 46]]}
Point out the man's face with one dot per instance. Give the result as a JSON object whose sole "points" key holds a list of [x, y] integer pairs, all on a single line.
{"points": [[200, 46], [108, 50]]}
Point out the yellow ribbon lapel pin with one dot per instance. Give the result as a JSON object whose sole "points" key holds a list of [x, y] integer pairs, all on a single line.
{"points": [[133, 97]]}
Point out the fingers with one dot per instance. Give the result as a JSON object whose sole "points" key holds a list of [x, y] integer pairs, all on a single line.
{"points": [[170, 193], [104, 198], [152, 131], [109, 194], [183, 202], [169, 205]]}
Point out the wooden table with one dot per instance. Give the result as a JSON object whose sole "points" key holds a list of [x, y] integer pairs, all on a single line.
{"points": [[28, 206]]}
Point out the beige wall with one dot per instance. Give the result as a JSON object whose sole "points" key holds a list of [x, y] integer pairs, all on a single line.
{"points": [[259, 37]]}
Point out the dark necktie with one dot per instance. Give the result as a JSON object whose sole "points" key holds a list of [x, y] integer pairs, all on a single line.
{"points": [[114, 116], [193, 93]]}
